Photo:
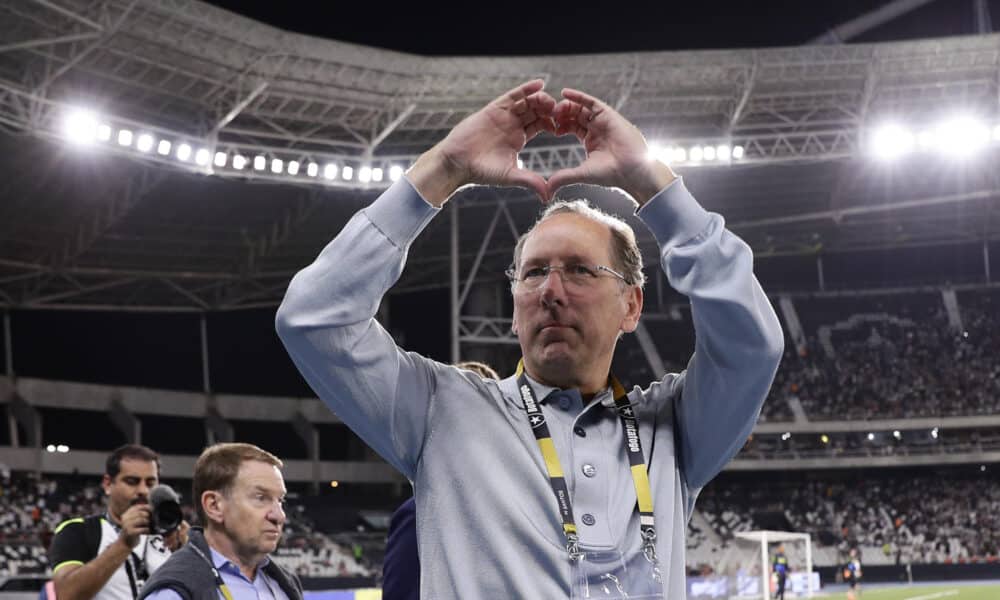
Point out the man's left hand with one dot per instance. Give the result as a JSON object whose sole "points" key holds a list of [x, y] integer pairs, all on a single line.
{"points": [[617, 154], [177, 538]]}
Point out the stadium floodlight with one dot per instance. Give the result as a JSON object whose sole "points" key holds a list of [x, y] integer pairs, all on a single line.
{"points": [[312, 170], [220, 159], [395, 172], [376, 174], [104, 132], [144, 143], [365, 174], [334, 483], [125, 137], [50, 448], [934, 433], [982, 468], [520, 164], [996, 133], [80, 126], [824, 438], [664, 154], [293, 167], [259, 162], [239, 162], [202, 156], [696, 153], [708, 152], [277, 166], [723, 152], [347, 173], [786, 436], [871, 437], [163, 148], [680, 155], [925, 139], [62, 448], [330, 171], [896, 434], [961, 137], [891, 140], [184, 152], [737, 152]]}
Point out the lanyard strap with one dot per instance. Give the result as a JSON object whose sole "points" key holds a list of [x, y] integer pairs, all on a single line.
{"points": [[215, 573], [633, 448]]}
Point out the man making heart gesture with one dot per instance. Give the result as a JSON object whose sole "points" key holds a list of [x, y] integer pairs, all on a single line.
{"points": [[556, 482]]}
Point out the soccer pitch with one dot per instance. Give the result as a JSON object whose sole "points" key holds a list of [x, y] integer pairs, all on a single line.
{"points": [[920, 592]]}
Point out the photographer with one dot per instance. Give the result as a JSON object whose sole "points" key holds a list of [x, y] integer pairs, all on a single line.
{"points": [[110, 556]]}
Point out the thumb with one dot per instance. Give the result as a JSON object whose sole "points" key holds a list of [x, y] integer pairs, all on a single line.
{"points": [[564, 177], [529, 179]]}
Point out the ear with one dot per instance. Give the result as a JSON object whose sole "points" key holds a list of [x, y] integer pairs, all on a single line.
{"points": [[106, 482], [213, 504], [633, 308]]}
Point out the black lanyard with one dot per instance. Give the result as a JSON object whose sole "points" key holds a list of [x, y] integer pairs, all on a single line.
{"points": [[633, 448]]}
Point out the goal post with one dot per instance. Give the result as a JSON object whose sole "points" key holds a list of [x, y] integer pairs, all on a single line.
{"points": [[763, 541]]}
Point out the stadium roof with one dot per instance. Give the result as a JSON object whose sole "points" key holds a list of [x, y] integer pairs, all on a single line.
{"points": [[111, 226]]}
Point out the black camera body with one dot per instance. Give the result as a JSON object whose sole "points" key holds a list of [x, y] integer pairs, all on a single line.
{"points": [[165, 510]]}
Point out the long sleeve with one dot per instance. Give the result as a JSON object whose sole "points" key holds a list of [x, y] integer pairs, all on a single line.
{"points": [[327, 323], [738, 339]]}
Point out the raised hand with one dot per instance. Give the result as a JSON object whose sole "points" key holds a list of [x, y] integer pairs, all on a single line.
{"points": [[135, 523], [617, 154], [483, 148]]}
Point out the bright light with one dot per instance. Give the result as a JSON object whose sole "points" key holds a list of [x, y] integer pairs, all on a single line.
{"points": [[239, 162], [293, 167], [50, 448], [377, 174], [871, 437], [680, 154], [220, 159], [312, 170], [663, 154], [737, 152], [277, 165], [80, 126], [104, 132], [347, 173], [259, 162], [520, 164], [996, 133], [896, 434], [708, 152], [63, 448], [891, 140], [961, 136], [786, 436], [925, 140], [163, 148], [330, 171], [696, 153], [934, 433], [144, 143], [184, 152], [202, 156], [125, 137], [334, 484], [395, 172], [982, 468], [723, 152], [824, 438], [365, 174]]}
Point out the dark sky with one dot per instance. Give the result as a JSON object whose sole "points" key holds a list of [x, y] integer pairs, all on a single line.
{"points": [[466, 28]]}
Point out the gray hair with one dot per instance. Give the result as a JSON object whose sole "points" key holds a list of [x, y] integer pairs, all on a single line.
{"points": [[625, 255]]}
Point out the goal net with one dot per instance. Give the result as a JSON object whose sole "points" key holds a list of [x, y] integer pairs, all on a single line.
{"points": [[747, 565]]}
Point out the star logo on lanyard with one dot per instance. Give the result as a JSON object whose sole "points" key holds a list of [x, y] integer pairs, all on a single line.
{"points": [[536, 420], [627, 411]]}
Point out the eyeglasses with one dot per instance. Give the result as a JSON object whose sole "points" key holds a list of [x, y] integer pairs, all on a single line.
{"points": [[576, 274]]}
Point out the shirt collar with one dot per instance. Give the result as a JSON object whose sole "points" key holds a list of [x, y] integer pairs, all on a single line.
{"points": [[542, 391], [223, 563]]}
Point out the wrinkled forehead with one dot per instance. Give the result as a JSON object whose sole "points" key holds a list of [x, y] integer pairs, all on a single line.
{"points": [[567, 237], [256, 474]]}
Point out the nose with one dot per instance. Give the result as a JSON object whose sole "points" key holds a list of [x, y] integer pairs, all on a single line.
{"points": [[553, 290], [277, 514]]}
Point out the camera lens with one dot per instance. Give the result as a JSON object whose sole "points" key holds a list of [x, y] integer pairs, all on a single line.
{"points": [[165, 506]]}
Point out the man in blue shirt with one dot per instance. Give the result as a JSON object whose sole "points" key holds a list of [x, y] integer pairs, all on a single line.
{"points": [[557, 479], [239, 494], [780, 568]]}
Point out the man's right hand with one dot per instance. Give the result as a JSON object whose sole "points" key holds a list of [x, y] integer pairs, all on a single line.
{"points": [[483, 148], [135, 523]]}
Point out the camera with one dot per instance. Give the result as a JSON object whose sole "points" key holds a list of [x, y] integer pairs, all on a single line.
{"points": [[165, 510]]}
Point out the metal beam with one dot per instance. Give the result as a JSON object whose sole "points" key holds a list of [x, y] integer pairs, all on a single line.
{"points": [[237, 108], [70, 14], [48, 41], [868, 21]]}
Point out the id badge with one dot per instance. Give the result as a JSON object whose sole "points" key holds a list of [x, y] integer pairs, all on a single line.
{"points": [[609, 575]]}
